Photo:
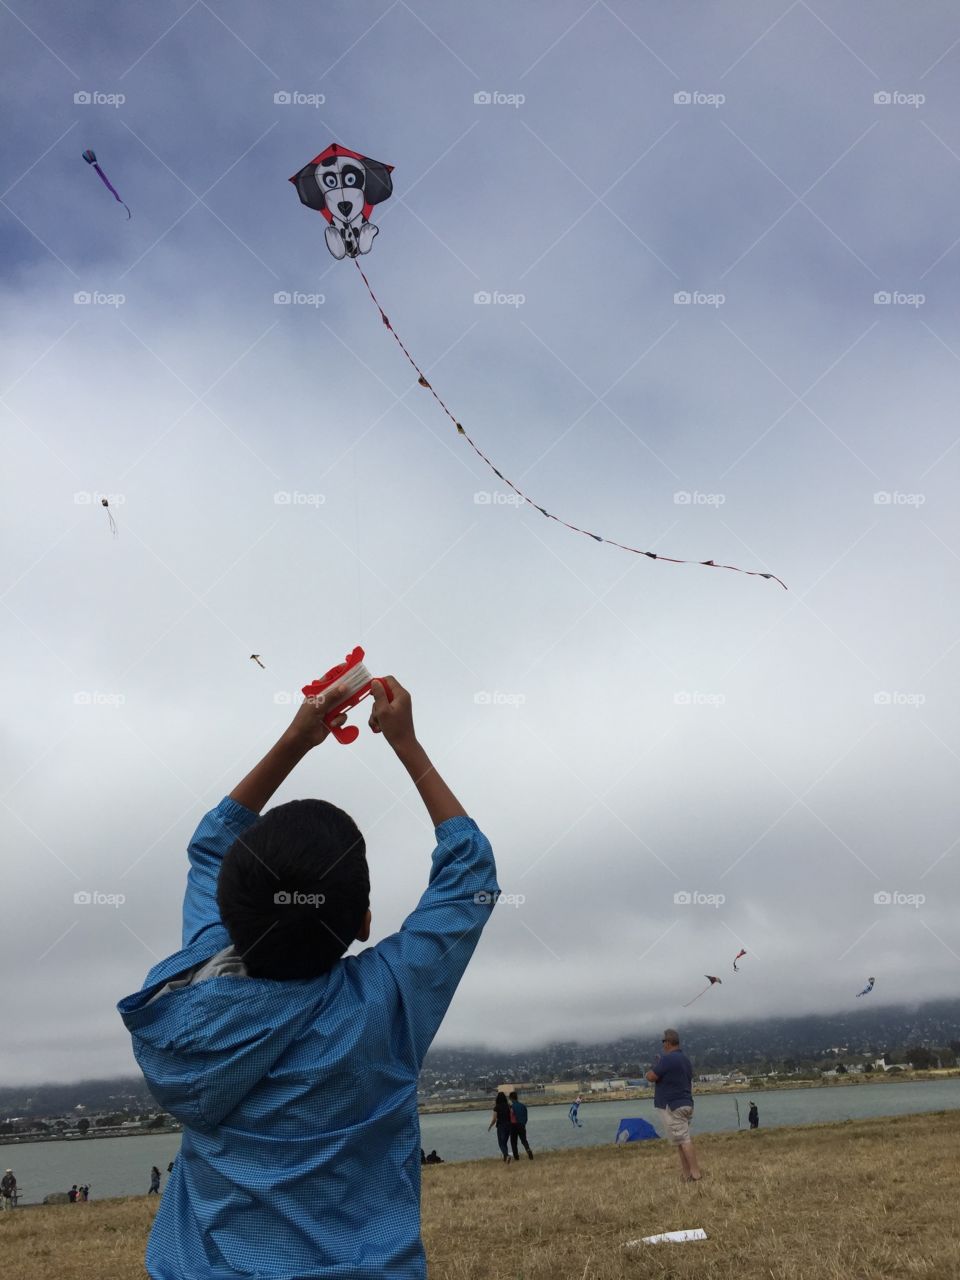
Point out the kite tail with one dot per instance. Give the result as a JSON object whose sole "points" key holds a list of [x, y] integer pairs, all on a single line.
{"points": [[110, 187], [696, 997], [113, 524], [652, 555]]}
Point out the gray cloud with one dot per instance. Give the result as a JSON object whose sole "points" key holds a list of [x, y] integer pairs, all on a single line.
{"points": [[650, 729]]}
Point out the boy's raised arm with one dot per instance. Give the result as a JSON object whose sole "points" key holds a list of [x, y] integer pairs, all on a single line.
{"points": [[429, 954], [394, 719]]}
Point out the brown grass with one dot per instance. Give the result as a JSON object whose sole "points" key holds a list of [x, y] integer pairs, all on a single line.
{"points": [[865, 1200]]}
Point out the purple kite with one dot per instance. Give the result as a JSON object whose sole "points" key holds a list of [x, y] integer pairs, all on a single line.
{"points": [[91, 158]]}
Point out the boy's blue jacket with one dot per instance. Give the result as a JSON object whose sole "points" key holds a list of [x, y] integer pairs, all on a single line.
{"points": [[301, 1141]]}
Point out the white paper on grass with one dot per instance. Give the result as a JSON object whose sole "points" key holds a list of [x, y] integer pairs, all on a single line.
{"points": [[669, 1237]]}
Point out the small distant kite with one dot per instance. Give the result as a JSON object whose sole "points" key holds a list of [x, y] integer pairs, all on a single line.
{"points": [[113, 524], [867, 989], [710, 982], [91, 158], [344, 186], [255, 657], [740, 954]]}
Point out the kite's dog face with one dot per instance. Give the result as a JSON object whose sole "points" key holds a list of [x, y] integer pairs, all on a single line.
{"points": [[342, 181]]}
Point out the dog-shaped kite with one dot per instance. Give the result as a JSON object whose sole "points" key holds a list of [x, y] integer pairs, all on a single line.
{"points": [[344, 186]]}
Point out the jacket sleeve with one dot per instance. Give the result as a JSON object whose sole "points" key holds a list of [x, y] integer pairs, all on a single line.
{"points": [[212, 839], [428, 956]]}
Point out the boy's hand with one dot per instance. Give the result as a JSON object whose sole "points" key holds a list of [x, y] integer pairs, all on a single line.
{"points": [[308, 729], [393, 718]]}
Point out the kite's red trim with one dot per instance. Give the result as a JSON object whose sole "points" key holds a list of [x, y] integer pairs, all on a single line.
{"points": [[652, 555]]}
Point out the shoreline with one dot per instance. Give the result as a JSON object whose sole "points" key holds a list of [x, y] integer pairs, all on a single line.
{"points": [[560, 1099], [563, 1098]]}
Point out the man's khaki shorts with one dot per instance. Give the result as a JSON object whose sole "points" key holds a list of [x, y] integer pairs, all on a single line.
{"points": [[676, 1123]]}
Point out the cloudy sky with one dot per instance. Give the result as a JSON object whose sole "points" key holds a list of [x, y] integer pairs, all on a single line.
{"points": [[721, 246]]}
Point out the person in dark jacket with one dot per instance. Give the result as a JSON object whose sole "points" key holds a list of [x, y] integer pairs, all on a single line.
{"points": [[8, 1190], [501, 1118], [753, 1115], [518, 1125], [154, 1182]]}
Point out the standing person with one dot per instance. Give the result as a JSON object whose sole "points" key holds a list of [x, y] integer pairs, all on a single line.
{"points": [[8, 1190], [86, 1192], [501, 1118], [249, 1033], [672, 1076], [518, 1125], [154, 1182], [753, 1115], [574, 1112]]}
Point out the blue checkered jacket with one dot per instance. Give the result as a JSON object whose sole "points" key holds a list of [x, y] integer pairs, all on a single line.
{"points": [[301, 1141]]}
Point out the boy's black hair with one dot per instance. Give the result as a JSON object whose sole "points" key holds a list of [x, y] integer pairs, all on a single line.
{"points": [[294, 889]]}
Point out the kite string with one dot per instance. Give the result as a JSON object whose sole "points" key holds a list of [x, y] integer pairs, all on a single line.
{"points": [[422, 379]]}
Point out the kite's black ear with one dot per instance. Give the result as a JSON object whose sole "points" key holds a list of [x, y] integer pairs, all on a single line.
{"points": [[377, 185], [308, 188]]}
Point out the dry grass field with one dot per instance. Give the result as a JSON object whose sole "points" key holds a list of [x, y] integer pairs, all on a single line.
{"points": [[865, 1200]]}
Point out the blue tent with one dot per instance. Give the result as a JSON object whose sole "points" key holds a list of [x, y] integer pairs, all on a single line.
{"points": [[635, 1131]]}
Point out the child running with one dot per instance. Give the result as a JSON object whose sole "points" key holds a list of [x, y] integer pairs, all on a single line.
{"points": [[292, 1066]]}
